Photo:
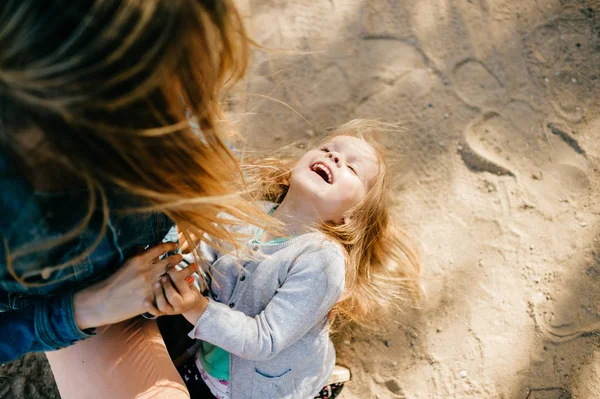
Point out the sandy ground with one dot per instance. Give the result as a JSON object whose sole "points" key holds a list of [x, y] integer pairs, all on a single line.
{"points": [[501, 157], [500, 101]]}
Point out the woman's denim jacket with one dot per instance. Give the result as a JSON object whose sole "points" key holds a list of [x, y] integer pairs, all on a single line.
{"points": [[39, 316]]}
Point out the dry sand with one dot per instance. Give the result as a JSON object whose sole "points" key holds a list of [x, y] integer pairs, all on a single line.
{"points": [[501, 153]]}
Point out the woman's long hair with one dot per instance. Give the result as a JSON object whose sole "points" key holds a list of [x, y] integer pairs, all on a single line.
{"points": [[382, 263], [124, 94]]}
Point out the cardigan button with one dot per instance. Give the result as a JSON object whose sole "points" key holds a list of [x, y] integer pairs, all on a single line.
{"points": [[243, 277], [232, 304]]}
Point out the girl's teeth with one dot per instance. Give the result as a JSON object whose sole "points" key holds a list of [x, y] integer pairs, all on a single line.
{"points": [[324, 169]]}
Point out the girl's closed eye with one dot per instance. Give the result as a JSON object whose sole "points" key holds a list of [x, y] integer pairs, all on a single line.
{"points": [[325, 149], [352, 169]]}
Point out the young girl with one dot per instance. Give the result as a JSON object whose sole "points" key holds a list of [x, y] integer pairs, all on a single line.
{"points": [[263, 330]]}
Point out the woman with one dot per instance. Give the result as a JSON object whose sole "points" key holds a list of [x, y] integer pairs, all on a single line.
{"points": [[97, 161]]}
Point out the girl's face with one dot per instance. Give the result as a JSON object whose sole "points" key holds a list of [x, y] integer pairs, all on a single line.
{"points": [[335, 177]]}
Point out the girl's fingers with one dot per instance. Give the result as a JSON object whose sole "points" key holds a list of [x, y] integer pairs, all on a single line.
{"points": [[161, 302], [180, 277], [171, 293], [161, 266]]}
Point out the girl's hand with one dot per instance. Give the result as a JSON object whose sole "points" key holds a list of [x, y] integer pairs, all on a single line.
{"points": [[176, 294], [122, 295]]}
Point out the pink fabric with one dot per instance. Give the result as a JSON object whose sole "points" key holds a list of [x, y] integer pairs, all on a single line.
{"points": [[123, 361]]}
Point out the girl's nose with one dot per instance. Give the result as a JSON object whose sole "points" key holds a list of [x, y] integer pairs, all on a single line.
{"points": [[334, 156]]}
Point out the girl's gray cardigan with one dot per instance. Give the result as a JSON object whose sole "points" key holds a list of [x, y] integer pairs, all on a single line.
{"points": [[269, 311]]}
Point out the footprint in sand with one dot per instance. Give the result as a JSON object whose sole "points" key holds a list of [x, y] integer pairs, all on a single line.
{"points": [[560, 325], [386, 18], [394, 387], [478, 86], [562, 54], [572, 315], [394, 72], [509, 142], [511, 138]]}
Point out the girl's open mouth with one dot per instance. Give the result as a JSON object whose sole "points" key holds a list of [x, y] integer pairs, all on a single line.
{"points": [[324, 171]]}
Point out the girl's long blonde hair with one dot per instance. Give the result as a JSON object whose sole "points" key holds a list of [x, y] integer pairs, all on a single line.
{"points": [[382, 263], [125, 96]]}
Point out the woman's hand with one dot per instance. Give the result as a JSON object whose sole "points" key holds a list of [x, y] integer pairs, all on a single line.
{"points": [[186, 247], [123, 294], [175, 293]]}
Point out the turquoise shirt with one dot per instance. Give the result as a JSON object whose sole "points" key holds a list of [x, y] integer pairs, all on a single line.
{"points": [[214, 360]]}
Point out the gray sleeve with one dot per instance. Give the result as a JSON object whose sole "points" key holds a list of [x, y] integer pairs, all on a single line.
{"points": [[313, 285]]}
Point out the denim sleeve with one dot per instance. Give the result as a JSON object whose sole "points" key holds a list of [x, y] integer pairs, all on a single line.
{"points": [[28, 323], [41, 326], [39, 316]]}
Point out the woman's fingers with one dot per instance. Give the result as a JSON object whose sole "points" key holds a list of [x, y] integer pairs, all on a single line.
{"points": [[173, 297], [150, 308], [186, 247], [161, 301], [162, 266], [158, 250], [183, 243]]}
